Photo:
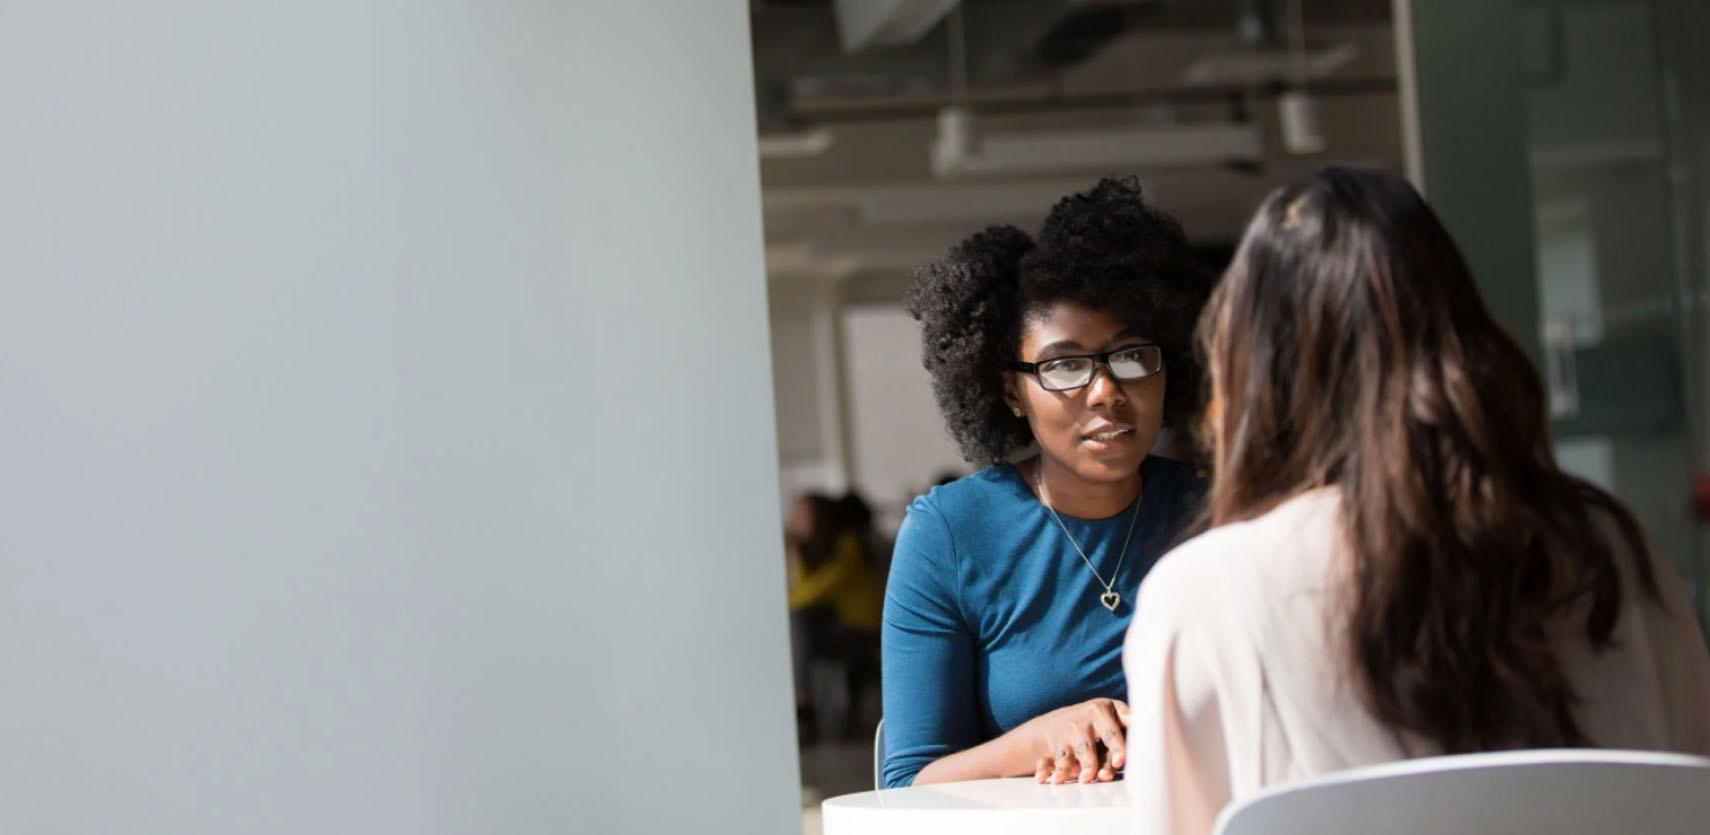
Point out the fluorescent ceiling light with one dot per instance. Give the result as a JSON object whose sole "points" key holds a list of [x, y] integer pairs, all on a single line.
{"points": [[957, 151], [809, 143], [1261, 66]]}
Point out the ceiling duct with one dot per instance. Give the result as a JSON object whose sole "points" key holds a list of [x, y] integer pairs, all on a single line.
{"points": [[1022, 50], [1080, 28], [1010, 39], [802, 51]]}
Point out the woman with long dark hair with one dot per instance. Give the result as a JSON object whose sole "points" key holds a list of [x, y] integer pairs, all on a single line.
{"points": [[1395, 565]]}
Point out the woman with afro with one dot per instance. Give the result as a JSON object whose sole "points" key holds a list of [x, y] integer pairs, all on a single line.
{"points": [[1057, 361]]}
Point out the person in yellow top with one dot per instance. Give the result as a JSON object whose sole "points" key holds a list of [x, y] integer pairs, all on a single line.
{"points": [[836, 599], [846, 584]]}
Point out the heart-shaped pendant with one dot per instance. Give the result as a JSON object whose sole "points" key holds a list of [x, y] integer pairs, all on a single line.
{"points": [[1110, 600]]}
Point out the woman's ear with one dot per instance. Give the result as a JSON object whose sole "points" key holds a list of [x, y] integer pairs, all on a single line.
{"points": [[1010, 398]]}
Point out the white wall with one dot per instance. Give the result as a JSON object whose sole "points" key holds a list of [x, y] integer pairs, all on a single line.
{"points": [[387, 437], [898, 434], [855, 407], [807, 380]]}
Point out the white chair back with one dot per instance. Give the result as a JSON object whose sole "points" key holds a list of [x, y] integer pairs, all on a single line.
{"points": [[1549, 792], [879, 755]]}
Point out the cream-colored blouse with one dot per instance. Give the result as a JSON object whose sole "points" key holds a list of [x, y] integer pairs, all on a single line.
{"points": [[1234, 686]]}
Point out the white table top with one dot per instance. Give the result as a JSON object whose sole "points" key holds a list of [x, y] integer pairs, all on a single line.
{"points": [[989, 807]]}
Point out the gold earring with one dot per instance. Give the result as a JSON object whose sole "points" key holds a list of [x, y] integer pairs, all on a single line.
{"points": [[1017, 410]]}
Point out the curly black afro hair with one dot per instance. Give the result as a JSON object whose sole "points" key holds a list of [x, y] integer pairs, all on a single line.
{"points": [[1104, 249]]}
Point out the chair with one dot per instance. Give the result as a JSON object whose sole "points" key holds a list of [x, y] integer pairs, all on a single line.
{"points": [[1546, 792], [879, 755]]}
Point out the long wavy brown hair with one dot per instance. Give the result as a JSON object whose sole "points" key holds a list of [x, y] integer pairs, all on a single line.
{"points": [[1347, 346]]}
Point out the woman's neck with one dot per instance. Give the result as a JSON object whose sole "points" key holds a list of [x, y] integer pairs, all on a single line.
{"points": [[1072, 495]]}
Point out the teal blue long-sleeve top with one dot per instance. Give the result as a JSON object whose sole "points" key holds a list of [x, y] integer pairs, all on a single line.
{"points": [[991, 618]]}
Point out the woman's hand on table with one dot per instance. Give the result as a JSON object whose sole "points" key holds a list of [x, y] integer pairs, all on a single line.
{"points": [[1082, 742]]}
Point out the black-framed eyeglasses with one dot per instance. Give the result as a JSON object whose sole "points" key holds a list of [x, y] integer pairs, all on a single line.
{"points": [[1135, 362]]}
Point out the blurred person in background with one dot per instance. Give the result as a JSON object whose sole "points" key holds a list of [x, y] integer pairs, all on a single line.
{"points": [[1396, 566], [836, 593], [1056, 361]]}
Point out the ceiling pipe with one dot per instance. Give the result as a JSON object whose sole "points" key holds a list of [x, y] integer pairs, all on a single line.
{"points": [[927, 106], [1296, 110]]}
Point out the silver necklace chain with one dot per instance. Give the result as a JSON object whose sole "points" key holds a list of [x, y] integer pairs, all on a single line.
{"points": [[1110, 599]]}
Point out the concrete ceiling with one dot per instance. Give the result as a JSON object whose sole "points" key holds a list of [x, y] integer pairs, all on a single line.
{"points": [[868, 204]]}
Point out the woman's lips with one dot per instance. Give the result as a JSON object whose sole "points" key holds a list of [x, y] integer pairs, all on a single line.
{"points": [[1109, 439], [1108, 434]]}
